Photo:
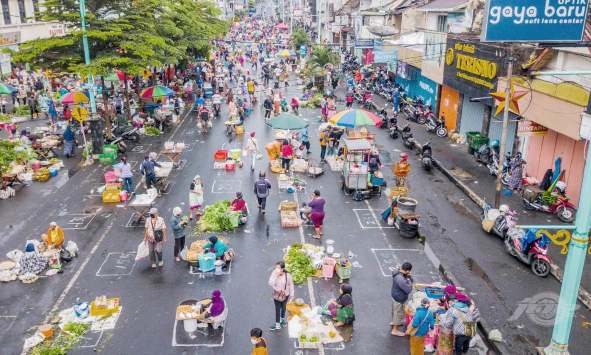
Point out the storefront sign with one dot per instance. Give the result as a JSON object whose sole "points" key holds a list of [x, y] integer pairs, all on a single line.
{"points": [[7, 38], [471, 67], [530, 128], [534, 20], [384, 54], [416, 85], [426, 89], [364, 43]]}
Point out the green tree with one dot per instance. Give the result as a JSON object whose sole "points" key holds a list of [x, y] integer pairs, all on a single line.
{"points": [[299, 37], [322, 55]]}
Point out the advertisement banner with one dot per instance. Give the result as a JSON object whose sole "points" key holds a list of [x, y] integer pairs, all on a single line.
{"points": [[534, 20], [530, 128], [426, 89], [364, 43], [384, 54], [471, 67]]}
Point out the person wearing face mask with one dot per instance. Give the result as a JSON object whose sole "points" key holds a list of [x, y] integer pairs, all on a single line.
{"points": [[283, 290], [259, 344], [155, 234], [126, 174]]}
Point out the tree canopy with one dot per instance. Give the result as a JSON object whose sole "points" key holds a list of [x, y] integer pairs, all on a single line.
{"points": [[124, 35], [299, 37]]}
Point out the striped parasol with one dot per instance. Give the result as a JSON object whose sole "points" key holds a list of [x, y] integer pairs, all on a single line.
{"points": [[355, 118]]}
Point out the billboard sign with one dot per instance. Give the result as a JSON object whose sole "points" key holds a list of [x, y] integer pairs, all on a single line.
{"points": [[534, 20], [471, 68]]}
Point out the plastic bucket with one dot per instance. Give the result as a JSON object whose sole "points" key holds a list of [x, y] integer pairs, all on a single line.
{"points": [[53, 172], [406, 205]]}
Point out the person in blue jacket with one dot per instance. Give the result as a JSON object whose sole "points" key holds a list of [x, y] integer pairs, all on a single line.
{"points": [[423, 321]]}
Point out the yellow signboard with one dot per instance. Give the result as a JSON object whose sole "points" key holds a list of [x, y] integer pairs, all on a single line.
{"points": [[80, 114]]}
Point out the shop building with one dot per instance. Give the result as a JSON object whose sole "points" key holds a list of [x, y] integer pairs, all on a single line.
{"points": [[471, 72]]}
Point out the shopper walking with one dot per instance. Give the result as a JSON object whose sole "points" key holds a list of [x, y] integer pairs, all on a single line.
{"points": [[178, 230], [126, 174], [261, 189], [286, 155], [252, 149], [195, 196], [283, 290], [401, 289], [155, 235]]}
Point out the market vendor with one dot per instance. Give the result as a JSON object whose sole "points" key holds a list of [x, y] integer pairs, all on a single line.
{"points": [[32, 262], [214, 309], [373, 161], [54, 238], [341, 308], [238, 204], [216, 246]]}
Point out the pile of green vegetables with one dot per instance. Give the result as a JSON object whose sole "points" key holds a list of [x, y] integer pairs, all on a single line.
{"points": [[151, 131], [4, 118], [298, 264], [63, 342], [22, 110], [314, 101], [13, 151], [216, 218]]}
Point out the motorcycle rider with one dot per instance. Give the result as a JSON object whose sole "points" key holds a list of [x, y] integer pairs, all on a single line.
{"points": [[216, 100]]}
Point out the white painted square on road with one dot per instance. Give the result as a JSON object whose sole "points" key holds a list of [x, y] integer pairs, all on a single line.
{"points": [[77, 221], [423, 270], [117, 264], [226, 186]]}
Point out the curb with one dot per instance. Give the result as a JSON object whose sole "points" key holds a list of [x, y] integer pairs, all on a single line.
{"points": [[483, 327], [583, 296]]}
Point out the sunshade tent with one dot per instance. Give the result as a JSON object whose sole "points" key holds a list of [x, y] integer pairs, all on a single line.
{"points": [[355, 118], [156, 91], [287, 121], [75, 98]]}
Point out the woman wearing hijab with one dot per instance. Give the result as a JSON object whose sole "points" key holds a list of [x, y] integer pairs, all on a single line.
{"points": [[32, 262], [216, 246], [215, 308], [195, 196]]}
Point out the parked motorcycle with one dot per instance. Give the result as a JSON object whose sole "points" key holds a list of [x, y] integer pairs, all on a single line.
{"points": [[434, 124], [426, 156], [383, 113], [554, 203], [127, 132], [533, 252], [501, 220], [407, 138]]}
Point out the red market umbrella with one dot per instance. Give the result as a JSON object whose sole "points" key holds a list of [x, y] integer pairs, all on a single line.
{"points": [[281, 26]]}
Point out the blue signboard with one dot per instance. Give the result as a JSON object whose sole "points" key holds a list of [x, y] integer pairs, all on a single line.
{"points": [[384, 55], [534, 20], [419, 86]]}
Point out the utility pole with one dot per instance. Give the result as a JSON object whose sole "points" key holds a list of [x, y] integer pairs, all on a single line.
{"points": [[502, 149], [573, 270], [318, 7], [90, 77], [290, 16]]}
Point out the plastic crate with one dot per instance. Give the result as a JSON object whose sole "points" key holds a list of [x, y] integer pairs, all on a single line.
{"points": [[475, 140], [106, 159], [110, 149]]}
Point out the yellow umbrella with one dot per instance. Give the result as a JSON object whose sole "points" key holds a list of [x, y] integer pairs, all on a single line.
{"points": [[284, 53], [75, 97]]}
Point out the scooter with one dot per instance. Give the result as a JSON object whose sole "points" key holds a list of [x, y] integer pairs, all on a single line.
{"points": [[426, 156], [434, 124], [383, 113], [555, 203], [535, 254], [216, 111], [407, 138], [504, 219], [127, 132]]}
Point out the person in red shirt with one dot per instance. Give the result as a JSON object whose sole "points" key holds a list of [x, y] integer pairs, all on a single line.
{"points": [[238, 204], [286, 155]]}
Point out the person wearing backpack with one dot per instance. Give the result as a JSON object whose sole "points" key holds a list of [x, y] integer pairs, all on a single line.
{"points": [[261, 190], [461, 318], [422, 323]]}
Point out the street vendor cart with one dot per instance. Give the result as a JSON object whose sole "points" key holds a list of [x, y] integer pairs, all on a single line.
{"points": [[356, 177], [140, 205], [162, 174]]}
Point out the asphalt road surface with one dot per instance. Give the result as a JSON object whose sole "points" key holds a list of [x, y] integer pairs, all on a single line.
{"points": [[505, 290]]}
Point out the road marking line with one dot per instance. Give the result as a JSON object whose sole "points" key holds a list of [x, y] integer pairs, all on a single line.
{"points": [[380, 227], [310, 284], [74, 278]]}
